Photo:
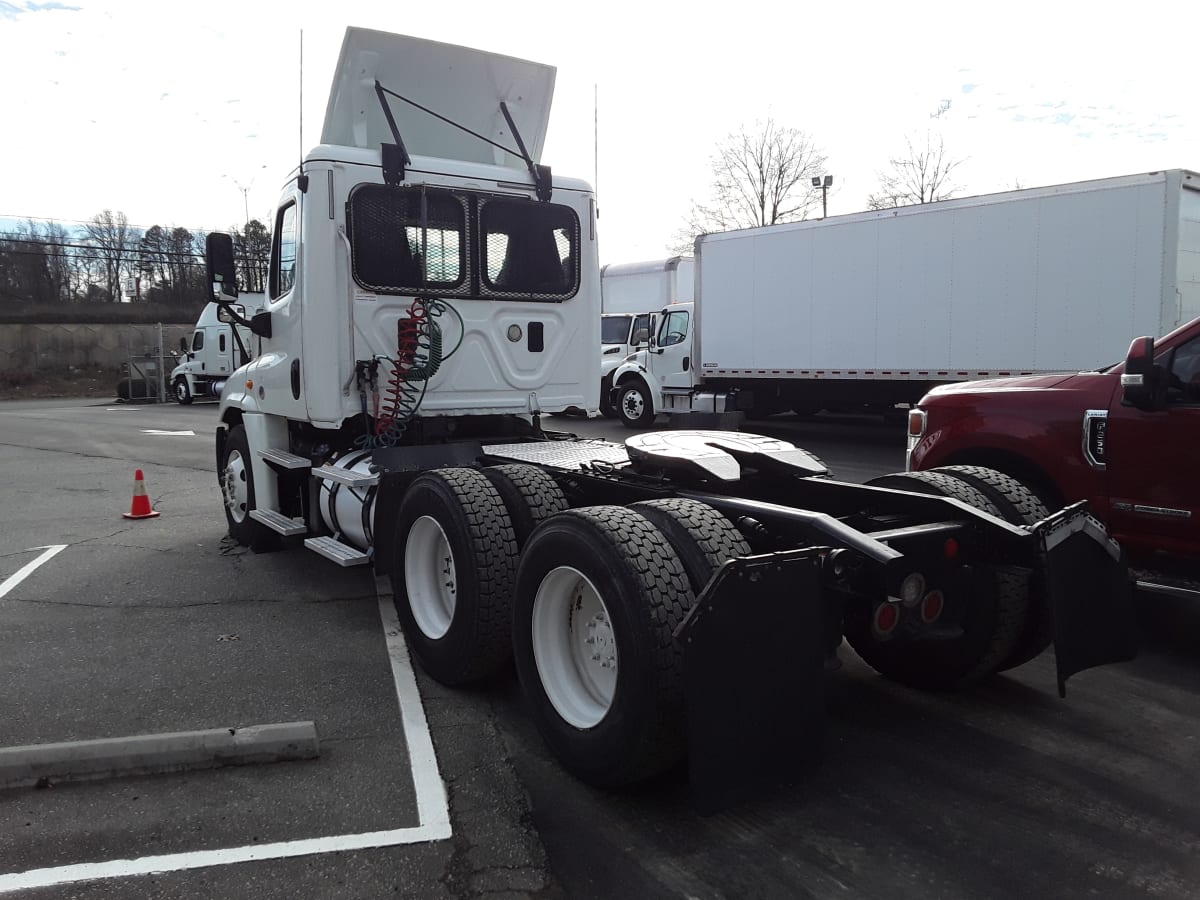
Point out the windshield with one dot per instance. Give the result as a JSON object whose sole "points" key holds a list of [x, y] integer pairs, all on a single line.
{"points": [[614, 329]]}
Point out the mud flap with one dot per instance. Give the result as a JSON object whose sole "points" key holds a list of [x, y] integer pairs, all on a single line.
{"points": [[1090, 593], [754, 677]]}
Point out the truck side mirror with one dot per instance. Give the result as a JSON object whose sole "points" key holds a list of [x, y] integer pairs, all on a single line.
{"points": [[1143, 384], [183, 347], [222, 272]]}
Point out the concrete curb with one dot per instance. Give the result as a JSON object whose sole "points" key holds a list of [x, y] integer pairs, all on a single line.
{"points": [[144, 754]]}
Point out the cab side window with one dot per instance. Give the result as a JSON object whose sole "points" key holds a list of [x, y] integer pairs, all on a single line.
{"points": [[197, 341], [283, 252], [1183, 385], [674, 328]]}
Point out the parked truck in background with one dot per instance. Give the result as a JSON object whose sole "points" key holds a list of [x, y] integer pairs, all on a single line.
{"points": [[1124, 438], [872, 310], [630, 295], [217, 347], [430, 295]]}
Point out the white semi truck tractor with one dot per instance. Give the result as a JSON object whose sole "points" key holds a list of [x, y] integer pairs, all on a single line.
{"points": [[433, 290]]}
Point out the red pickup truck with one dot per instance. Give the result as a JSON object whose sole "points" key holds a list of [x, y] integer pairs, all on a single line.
{"points": [[1125, 438]]}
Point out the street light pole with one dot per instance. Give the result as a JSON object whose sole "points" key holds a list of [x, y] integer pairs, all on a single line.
{"points": [[824, 183]]}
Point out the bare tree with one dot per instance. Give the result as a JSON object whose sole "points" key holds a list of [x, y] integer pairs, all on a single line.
{"points": [[761, 176], [115, 242], [923, 176]]}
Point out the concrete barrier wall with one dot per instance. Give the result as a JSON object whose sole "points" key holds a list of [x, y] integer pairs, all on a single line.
{"points": [[34, 348]]}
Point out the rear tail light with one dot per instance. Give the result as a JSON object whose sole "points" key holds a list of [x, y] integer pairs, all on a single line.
{"points": [[885, 620], [932, 606]]}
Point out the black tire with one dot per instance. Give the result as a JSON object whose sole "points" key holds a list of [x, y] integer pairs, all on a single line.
{"points": [[606, 407], [237, 491], [635, 406], [1021, 506], [530, 496], [459, 511], [702, 538], [991, 605], [183, 394], [638, 731]]}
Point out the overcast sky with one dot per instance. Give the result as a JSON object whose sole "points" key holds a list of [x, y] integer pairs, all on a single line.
{"points": [[161, 110]]}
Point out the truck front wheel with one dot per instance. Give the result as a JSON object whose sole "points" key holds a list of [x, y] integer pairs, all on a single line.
{"points": [[599, 595], [635, 406], [183, 394], [452, 574], [237, 491]]}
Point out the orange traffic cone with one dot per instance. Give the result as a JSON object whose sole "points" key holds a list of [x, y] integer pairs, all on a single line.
{"points": [[141, 501]]}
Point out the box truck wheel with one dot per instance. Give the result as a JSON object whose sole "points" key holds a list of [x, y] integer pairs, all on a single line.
{"points": [[183, 395], [452, 574], [530, 496], [635, 406], [599, 595], [701, 537], [1020, 506], [606, 407], [962, 630], [237, 491]]}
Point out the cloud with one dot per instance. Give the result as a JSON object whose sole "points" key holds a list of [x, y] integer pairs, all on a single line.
{"points": [[13, 11]]}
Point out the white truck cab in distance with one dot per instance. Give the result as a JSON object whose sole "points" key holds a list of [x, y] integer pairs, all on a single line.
{"points": [[215, 349]]}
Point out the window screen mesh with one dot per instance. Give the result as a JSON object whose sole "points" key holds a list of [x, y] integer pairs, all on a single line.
{"points": [[529, 249], [400, 248]]}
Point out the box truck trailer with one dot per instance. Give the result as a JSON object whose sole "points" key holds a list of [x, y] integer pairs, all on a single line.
{"points": [[872, 310]]}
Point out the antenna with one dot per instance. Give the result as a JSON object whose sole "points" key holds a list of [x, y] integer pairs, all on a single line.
{"points": [[596, 139], [302, 179]]}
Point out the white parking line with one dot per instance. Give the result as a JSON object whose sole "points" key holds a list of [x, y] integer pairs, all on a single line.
{"points": [[433, 813], [25, 571]]}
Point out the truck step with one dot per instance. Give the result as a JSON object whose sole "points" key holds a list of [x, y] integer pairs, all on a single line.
{"points": [[278, 522], [333, 549], [1164, 583], [346, 477], [285, 459]]}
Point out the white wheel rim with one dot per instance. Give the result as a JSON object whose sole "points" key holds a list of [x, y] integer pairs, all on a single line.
{"points": [[430, 577], [574, 647], [632, 403], [233, 486]]}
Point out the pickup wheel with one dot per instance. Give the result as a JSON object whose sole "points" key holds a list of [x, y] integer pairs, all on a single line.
{"points": [[701, 537], [452, 574], [1020, 506], [183, 395], [599, 595], [237, 492], [530, 496], [635, 406], [980, 617]]}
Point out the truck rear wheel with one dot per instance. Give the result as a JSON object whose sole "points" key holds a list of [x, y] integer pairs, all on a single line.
{"points": [[599, 595], [1020, 506], [452, 574], [183, 394], [701, 537], [237, 491], [980, 615], [530, 496], [635, 406], [606, 407]]}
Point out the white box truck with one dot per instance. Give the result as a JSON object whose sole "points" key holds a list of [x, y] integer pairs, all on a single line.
{"points": [[873, 309], [630, 295]]}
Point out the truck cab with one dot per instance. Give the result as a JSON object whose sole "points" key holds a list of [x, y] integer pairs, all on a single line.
{"points": [[620, 335], [651, 380], [1123, 438], [216, 348]]}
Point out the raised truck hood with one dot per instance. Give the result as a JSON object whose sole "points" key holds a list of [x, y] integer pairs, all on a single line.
{"points": [[461, 84]]}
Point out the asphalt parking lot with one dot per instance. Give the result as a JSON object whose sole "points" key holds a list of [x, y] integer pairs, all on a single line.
{"points": [[162, 625]]}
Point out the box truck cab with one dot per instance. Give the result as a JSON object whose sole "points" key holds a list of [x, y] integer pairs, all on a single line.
{"points": [[661, 377], [216, 348]]}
